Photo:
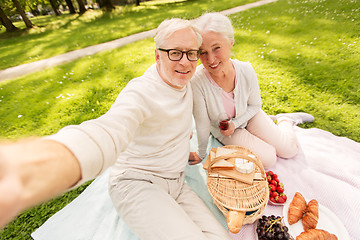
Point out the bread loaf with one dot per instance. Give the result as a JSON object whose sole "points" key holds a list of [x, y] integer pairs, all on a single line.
{"points": [[234, 220]]}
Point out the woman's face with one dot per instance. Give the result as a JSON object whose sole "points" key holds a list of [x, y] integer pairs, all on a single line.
{"points": [[215, 52]]}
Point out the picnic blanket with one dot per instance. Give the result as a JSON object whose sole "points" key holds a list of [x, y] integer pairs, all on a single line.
{"points": [[326, 168]]}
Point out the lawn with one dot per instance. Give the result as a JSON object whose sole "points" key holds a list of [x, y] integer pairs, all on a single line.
{"points": [[56, 35], [306, 54]]}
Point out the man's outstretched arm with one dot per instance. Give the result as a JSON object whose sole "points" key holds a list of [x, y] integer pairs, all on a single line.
{"points": [[33, 171]]}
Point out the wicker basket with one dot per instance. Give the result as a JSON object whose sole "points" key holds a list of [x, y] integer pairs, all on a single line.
{"points": [[230, 194]]}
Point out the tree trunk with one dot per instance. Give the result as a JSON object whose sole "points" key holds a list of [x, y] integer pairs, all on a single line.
{"points": [[137, 2], [108, 5], [35, 11], [82, 8], [26, 20], [6, 22], [70, 6], [55, 7]]}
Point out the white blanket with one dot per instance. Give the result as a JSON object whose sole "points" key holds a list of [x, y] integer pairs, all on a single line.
{"points": [[327, 168]]}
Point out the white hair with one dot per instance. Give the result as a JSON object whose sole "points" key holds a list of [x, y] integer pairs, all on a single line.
{"points": [[169, 26], [216, 22]]}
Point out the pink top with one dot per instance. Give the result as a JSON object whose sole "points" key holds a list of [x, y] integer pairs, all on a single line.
{"points": [[227, 97]]}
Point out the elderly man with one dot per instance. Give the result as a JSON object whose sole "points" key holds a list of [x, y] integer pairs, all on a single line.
{"points": [[145, 136]]}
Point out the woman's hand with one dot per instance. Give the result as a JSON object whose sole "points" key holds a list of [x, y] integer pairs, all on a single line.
{"points": [[194, 158], [229, 131]]}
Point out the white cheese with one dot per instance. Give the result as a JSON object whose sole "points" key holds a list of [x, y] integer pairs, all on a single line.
{"points": [[243, 165]]}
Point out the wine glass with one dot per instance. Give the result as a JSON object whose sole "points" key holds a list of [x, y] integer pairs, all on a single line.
{"points": [[223, 121]]}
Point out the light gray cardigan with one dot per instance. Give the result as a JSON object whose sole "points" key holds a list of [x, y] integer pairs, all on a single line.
{"points": [[208, 102]]}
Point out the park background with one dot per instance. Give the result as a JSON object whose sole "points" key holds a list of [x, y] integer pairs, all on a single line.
{"points": [[305, 53]]}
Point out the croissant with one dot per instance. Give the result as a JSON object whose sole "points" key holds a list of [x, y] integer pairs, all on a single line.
{"points": [[316, 234], [311, 216], [297, 208], [234, 220]]}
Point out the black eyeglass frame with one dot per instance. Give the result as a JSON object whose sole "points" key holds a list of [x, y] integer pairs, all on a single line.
{"points": [[182, 54]]}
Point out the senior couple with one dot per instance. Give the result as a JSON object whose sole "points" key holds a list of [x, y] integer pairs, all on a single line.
{"points": [[145, 136]]}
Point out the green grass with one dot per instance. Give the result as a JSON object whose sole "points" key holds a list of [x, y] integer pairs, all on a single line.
{"points": [[61, 34], [300, 68], [307, 56]]}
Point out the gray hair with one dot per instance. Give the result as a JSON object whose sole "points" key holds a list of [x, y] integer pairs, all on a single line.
{"points": [[216, 22], [169, 26]]}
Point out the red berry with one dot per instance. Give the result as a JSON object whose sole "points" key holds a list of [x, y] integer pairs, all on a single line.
{"points": [[270, 173], [269, 178], [274, 194], [277, 180], [272, 187], [280, 200], [273, 182], [274, 175], [272, 199], [280, 189], [284, 197]]}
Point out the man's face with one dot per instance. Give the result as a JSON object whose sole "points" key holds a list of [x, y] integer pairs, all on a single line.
{"points": [[177, 73]]}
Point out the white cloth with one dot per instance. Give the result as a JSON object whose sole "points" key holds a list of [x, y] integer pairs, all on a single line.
{"points": [[327, 168]]}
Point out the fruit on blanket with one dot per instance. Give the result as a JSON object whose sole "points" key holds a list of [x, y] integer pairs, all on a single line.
{"points": [[274, 194], [276, 188], [297, 208], [271, 227], [280, 199], [316, 234], [234, 220], [280, 189], [273, 182], [311, 217]]}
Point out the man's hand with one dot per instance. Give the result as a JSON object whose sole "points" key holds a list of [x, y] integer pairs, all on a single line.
{"points": [[229, 131], [194, 158], [10, 191], [33, 171]]}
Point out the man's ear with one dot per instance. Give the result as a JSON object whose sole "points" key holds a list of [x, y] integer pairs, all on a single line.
{"points": [[157, 55]]}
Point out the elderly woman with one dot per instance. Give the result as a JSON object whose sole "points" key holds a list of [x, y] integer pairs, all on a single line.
{"points": [[225, 86]]}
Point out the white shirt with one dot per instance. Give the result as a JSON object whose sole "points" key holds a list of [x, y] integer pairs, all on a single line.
{"points": [[146, 129]]}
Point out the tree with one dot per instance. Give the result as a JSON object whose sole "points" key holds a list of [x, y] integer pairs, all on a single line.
{"points": [[70, 6], [10, 27], [137, 2], [82, 8], [108, 5], [26, 20], [55, 7]]}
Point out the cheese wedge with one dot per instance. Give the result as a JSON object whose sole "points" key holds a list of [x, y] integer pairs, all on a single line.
{"points": [[243, 165]]}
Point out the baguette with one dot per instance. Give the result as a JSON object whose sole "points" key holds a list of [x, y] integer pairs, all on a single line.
{"points": [[234, 220]]}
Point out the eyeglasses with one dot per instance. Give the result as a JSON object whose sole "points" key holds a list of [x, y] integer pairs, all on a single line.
{"points": [[176, 55]]}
